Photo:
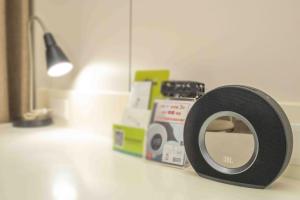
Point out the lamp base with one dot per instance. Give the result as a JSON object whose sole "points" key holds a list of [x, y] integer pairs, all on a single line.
{"points": [[23, 123]]}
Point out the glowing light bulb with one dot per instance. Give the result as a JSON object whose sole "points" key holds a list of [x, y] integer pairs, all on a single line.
{"points": [[60, 69]]}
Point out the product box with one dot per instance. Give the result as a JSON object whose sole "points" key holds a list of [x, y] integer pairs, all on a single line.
{"points": [[165, 132], [128, 140]]}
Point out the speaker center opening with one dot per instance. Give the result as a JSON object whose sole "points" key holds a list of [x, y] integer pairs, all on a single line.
{"points": [[228, 142]]}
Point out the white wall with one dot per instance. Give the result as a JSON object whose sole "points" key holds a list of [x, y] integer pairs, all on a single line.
{"points": [[251, 42], [218, 42], [94, 34]]}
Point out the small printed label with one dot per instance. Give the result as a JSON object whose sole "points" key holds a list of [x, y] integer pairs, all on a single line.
{"points": [[173, 154], [119, 138], [172, 111]]}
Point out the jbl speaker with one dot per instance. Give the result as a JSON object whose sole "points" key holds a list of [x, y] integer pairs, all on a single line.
{"points": [[238, 135]]}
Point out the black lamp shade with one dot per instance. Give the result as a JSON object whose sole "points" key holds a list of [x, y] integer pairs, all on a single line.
{"points": [[57, 62]]}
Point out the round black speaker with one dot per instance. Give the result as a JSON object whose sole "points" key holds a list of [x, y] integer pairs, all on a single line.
{"points": [[249, 111]]}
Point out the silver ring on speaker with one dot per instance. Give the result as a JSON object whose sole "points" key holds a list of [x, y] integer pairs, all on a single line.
{"points": [[208, 158]]}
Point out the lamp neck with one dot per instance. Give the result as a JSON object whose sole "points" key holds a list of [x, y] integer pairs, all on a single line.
{"points": [[39, 21], [31, 60]]}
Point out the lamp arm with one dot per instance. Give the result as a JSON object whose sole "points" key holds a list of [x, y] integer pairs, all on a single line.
{"points": [[31, 61]]}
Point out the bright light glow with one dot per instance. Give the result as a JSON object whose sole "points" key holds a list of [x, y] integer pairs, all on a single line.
{"points": [[101, 76], [60, 69]]}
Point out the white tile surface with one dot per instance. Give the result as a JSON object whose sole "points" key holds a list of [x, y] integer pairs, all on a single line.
{"points": [[66, 164]]}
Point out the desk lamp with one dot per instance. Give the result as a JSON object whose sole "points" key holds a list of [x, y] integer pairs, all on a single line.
{"points": [[57, 65]]}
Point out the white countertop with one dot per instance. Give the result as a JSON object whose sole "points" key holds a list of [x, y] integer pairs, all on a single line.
{"points": [[67, 164]]}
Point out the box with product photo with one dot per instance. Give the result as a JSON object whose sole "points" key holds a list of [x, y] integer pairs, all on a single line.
{"points": [[165, 132]]}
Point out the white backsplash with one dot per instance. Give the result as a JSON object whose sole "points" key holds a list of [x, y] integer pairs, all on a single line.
{"points": [[86, 111]]}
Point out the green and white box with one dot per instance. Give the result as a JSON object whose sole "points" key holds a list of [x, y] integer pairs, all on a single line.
{"points": [[128, 140]]}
